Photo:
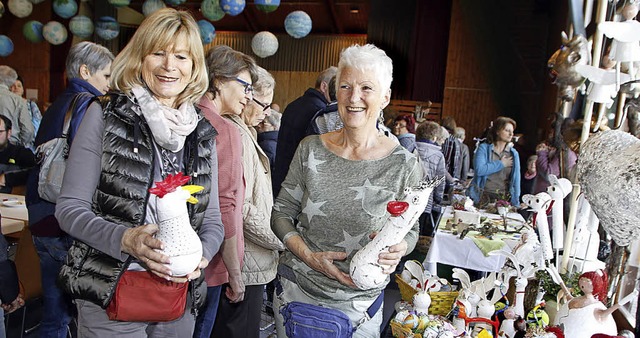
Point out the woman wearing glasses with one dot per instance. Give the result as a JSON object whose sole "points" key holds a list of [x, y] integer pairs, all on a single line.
{"points": [[261, 245], [229, 92]]}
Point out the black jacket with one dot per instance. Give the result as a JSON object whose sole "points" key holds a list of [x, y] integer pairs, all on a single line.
{"points": [[122, 195]]}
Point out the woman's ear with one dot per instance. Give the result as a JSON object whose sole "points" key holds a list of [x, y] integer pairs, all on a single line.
{"points": [[85, 74], [386, 99]]}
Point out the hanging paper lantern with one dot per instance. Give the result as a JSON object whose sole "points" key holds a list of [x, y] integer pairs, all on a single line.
{"points": [[107, 28], [81, 26], [264, 44], [211, 10], [65, 8], [297, 24], [6, 46], [32, 31], [120, 3], [54, 32], [207, 31], [174, 2], [150, 6], [20, 8], [1, 9], [232, 7], [35, 2], [267, 6]]}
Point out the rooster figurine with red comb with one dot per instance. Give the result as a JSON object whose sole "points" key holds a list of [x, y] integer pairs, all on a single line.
{"points": [[181, 242]]}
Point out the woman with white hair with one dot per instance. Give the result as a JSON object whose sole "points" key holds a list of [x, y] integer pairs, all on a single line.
{"points": [[335, 197], [15, 108]]}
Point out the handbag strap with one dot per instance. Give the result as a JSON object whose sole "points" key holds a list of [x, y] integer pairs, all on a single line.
{"points": [[286, 272]]}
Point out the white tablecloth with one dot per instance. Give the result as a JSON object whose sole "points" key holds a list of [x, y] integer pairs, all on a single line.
{"points": [[14, 218], [449, 249]]}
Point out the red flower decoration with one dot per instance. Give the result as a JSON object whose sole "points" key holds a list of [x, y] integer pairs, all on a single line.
{"points": [[397, 208], [169, 184]]}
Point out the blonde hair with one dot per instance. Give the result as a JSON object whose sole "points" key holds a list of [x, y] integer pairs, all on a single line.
{"points": [[158, 32]]}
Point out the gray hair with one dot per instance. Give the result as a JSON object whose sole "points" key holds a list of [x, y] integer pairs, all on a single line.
{"points": [[92, 55], [325, 76], [428, 130], [367, 58], [459, 132], [8, 75], [265, 84], [274, 119]]}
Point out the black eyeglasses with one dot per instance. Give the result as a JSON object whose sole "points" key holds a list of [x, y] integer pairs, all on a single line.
{"points": [[248, 88], [264, 106]]}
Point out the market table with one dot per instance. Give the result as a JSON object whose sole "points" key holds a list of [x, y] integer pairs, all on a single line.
{"points": [[447, 248], [13, 211]]}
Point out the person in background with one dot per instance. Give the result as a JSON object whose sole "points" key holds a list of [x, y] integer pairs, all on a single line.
{"points": [[227, 95], [10, 298], [555, 157], [465, 161], [326, 119], [529, 177], [433, 167], [88, 69], [295, 120], [15, 108], [15, 161], [146, 128], [451, 150], [36, 116], [497, 166], [404, 127], [336, 193], [261, 246], [268, 135]]}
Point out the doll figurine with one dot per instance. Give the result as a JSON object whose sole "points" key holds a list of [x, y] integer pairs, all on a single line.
{"points": [[587, 315]]}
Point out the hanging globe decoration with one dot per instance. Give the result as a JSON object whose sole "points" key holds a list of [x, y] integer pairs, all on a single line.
{"points": [[264, 44], [297, 24], [211, 10], [54, 32], [267, 6], [120, 3], [107, 28], [6, 46], [32, 31], [35, 2], [232, 7], [81, 26], [207, 31], [20, 8], [174, 2], [1, 9], [65, 8], [150, 6]]}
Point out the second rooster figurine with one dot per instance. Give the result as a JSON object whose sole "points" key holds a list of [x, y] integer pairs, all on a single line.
{"points": [[181, 242]]}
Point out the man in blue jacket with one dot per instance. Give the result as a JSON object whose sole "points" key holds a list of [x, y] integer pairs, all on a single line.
{"points": [[295, 120]]}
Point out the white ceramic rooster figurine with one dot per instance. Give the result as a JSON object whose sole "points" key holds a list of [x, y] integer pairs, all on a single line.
{"points": [[365, 271], [539, 204], [181, 242]]}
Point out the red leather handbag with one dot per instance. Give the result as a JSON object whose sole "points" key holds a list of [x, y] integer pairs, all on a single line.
{"points": [[141, 296]]}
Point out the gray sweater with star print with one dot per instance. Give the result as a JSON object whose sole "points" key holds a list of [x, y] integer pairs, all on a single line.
{"points": [[334, 204]]}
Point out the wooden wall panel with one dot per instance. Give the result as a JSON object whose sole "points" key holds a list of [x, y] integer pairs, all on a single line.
{"points": [[30, 60], [291, 85]]}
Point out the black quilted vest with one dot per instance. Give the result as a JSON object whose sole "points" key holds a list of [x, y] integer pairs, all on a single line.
{"points": [[122, 196]]}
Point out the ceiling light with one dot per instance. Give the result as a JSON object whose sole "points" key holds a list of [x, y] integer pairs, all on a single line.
{"points": [[354, 10]]}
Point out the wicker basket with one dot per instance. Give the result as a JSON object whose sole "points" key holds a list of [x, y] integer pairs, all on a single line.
{"points": [[441, 301], [401, 332]]}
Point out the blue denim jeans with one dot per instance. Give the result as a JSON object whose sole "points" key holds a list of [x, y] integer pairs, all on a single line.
{"points": [[57, 308], [207, 315]]}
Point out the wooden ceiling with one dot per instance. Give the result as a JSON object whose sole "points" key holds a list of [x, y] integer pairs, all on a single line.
{"points": [[328, 16]]}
